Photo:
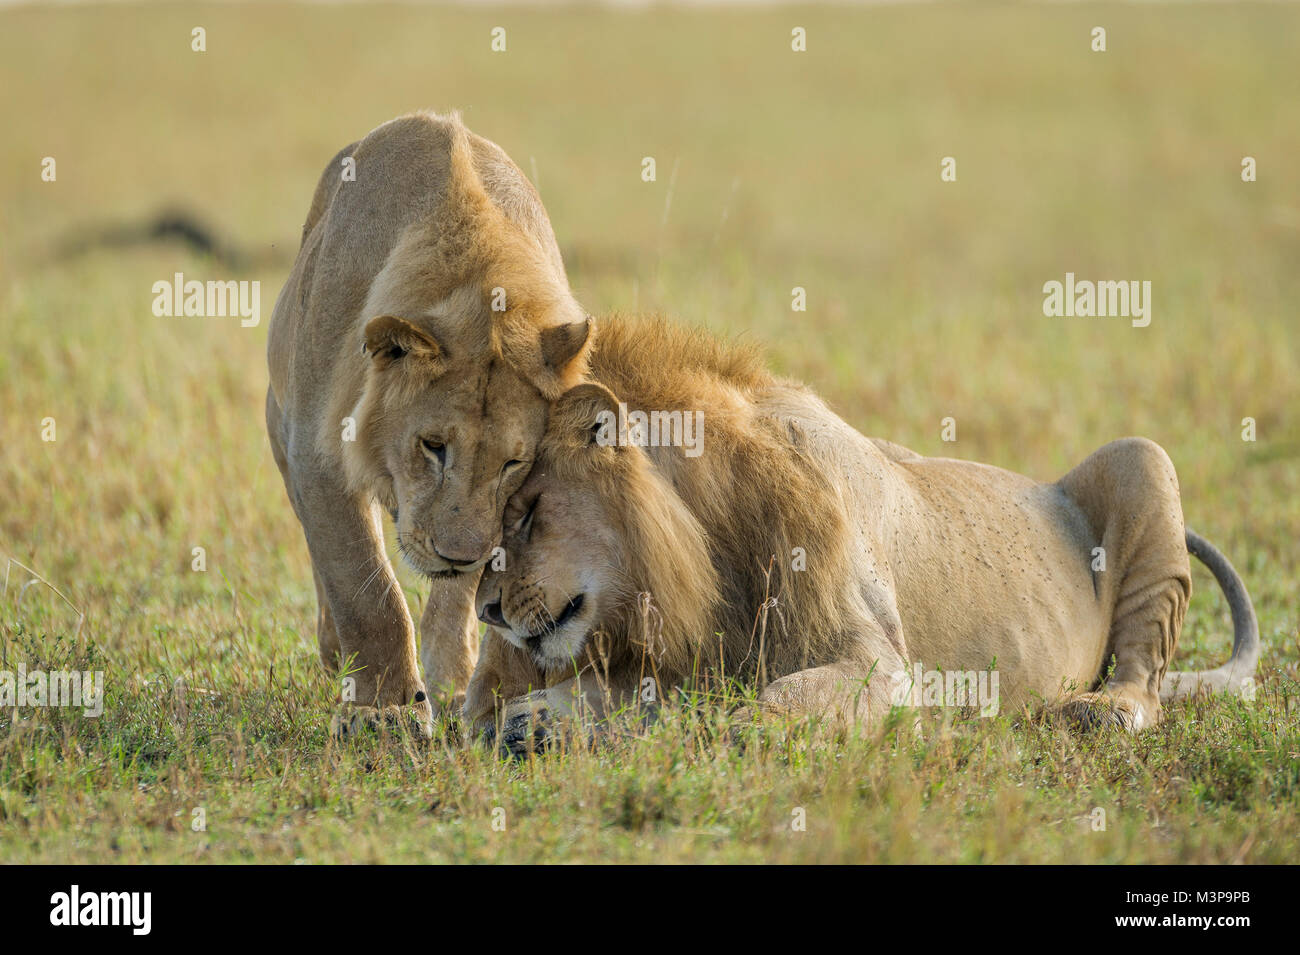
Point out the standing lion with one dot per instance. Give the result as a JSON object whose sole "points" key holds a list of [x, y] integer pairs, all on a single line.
{"points": [[425, 326]]}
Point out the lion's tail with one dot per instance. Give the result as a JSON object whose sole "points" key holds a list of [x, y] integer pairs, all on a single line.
{"points": [[1232, 676]]}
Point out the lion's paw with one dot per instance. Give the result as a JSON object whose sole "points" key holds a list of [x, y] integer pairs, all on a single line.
{"points": [[352, 720], [1089, 712], [526, 727], [745, 718]]}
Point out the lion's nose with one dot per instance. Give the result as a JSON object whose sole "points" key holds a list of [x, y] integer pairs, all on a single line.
{"points": [[491, 614]]}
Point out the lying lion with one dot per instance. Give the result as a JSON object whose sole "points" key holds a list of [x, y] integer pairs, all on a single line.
{"points": [[796, 554]]}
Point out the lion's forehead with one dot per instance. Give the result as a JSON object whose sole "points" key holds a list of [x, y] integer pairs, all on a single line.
{"points": [[501, 406], [507, 391]]}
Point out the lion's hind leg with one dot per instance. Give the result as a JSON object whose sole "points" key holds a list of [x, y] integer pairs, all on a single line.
{"points": [[1129, 491]]}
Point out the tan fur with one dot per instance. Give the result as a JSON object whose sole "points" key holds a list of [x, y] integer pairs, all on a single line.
{"points": [[950, 564], [387, 324]]}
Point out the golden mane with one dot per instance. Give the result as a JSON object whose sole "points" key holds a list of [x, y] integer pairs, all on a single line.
{"points": [[656, 360], [713, 539]]}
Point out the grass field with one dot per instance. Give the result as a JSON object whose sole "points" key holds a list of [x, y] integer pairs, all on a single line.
{"points": [[776, 169]]}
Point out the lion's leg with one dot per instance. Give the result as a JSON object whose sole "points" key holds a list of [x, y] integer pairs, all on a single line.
{"points": [[579, 704], [363, 616], [503, 673], [449, 641], [840, 695], [327, 637], [1130, 492], [871, 675], [1142, 638]]}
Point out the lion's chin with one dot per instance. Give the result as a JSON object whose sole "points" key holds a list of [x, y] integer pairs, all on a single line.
{"points": [[549, 660], [439, 570], [558, 643], [427, 569]]}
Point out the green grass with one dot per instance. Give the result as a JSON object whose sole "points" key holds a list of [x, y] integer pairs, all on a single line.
{"points": [[818, 170]]}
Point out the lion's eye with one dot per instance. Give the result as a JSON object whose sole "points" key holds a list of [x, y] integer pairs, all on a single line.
{"points": [[434, 449], [521, 525], [511, 465]]}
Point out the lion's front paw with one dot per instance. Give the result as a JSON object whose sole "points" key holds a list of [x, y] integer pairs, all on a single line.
{"points": [[526, 727], [739, 726], [352, 720]]}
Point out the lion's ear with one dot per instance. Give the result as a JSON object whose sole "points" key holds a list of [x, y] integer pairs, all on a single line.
{"points": [[561, 344], [585, 412], [389, 339]]}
